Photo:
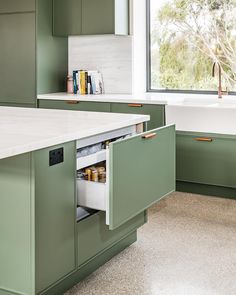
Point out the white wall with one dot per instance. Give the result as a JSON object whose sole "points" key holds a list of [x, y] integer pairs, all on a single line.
{"points": [[139, 46], [111, 55]]}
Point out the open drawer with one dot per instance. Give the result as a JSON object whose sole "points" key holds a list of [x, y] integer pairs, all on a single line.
{"points": [[140, 171]]}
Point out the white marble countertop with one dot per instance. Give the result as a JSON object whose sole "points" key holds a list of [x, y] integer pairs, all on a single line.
{"points": [[182, 99], [144, 98], [24, 130]]}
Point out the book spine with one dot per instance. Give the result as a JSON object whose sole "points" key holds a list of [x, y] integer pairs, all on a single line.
{"points": [[86, 81], [75, 82], [82, 82], [93, 83]]}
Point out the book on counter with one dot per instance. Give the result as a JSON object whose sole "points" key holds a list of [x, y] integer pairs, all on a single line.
{"points": [[87, 82]]}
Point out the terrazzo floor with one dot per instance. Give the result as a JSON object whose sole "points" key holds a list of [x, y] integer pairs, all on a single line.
{"points": [[188, 247]]}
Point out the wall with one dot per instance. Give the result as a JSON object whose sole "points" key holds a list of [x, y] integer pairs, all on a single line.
{"points": [[111, 55], [139, 46]]}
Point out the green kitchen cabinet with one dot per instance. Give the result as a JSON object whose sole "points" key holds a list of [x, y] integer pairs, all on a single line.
{"points": [[156, 112], [98, 17], [55, 216], [74, 105], [90, 17], [37, 221], [9, 6], [94, 232], [32, 61], [67, 17], [16, 225], [141, 172], [17, 58], [208, 159]]}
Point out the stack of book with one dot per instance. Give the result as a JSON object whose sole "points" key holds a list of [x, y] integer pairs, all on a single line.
{"points": [[87, 82]]}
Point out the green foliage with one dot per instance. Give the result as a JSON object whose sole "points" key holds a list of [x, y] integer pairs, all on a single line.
{"points": [[188, 36]]}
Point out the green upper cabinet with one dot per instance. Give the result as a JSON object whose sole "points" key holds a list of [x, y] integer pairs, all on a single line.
{"points": [[98, 17], [17, 58], [206, 159], [67, 17], [90, 17], [156, 112], [9, 6]]}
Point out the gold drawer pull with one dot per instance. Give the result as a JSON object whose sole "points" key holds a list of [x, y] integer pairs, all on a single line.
{"points": [[135, 105], [206, 139], [149, 136], [72, 101]]}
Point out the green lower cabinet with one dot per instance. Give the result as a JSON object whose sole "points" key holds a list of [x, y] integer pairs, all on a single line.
{"points": [[206, 159], [16, 226], [55, 217], [74, 106], [156, 112], [141, 172], [94, 235]]}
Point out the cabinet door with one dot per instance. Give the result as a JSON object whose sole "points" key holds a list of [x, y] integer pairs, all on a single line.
{"points": [[206, 159], [156, 112], [80, 106], [94, 232], [67, 17], [98, 17], [17, 58], [7, 6], [141, 172], [55, 216]]}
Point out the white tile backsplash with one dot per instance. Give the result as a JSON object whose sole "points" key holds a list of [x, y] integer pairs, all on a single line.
{"points": [[111, 55]]}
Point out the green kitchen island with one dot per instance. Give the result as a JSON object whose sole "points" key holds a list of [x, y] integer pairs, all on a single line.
{"points": [[45, 246]]}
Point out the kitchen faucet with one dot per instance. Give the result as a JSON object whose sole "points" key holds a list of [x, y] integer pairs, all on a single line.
{"points": [[220, 91]]}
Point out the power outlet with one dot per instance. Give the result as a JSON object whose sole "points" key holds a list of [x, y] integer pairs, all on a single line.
{"points": [[56, 157]]}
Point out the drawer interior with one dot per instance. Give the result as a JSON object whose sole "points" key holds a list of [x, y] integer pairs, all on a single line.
{"points": [[93, 170]]}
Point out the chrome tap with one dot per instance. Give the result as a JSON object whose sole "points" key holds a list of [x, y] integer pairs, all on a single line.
{"points": [[220, 91]]}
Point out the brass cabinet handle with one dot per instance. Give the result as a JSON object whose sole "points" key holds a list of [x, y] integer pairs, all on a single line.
{"points": [[72, 101], [206, 139], [135, 105], [149, 136]]}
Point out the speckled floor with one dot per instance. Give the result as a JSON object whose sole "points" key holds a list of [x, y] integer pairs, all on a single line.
{"points": [[188, 247]]}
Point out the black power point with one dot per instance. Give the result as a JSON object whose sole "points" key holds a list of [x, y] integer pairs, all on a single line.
{"points": [[56, 157]]}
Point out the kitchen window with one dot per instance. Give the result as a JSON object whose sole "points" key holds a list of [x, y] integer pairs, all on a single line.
{"points": [[185, 39]]}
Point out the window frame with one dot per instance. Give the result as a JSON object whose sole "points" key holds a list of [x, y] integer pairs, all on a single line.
{"points": [[148, 64]]}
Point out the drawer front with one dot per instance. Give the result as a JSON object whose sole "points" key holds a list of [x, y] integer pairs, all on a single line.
{"points": [[206, 159], [94, 236], [74, 106], [142, 171], [156, 112]]}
